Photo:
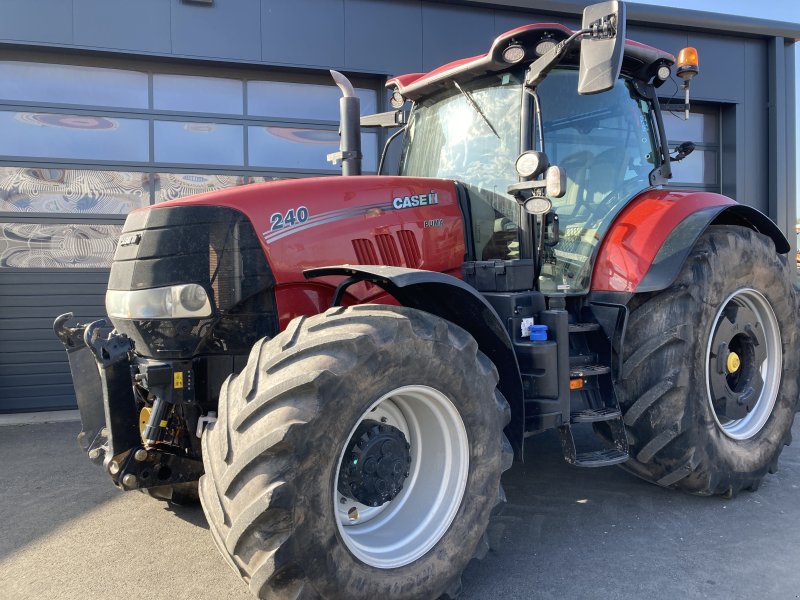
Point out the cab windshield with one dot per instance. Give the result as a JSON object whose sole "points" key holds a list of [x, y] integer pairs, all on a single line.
{"points": [[472, 135]]}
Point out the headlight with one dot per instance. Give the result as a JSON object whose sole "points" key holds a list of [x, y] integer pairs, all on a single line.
{"points": [[177, 301]]}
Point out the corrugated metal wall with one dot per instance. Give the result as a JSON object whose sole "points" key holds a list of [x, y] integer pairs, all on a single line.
{"points": [[33, 369]]}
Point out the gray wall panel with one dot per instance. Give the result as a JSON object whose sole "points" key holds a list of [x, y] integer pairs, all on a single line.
{"points": [[754, 147], [232, 31], [383, 36], [718, 54], [36, 21], [303, 32], [669, 40], [505, 20], [453, 32], [143, 25], [40, 367], [55, 378], [24, 358]]}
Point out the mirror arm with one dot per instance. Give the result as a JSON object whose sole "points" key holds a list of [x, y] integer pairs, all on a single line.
{"points": [[393, 118], [547, 61]]}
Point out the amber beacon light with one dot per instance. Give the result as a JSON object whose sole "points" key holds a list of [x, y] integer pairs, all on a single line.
{"points": [[688, 63], [688, 67]]}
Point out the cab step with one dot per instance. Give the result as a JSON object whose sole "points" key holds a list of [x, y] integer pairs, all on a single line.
{"points": [[595, 415], [588, 371], [583, 327], [616, 453], [601, 458]]}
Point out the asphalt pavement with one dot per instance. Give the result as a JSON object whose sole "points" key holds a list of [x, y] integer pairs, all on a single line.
{"points": [[66, 533]]}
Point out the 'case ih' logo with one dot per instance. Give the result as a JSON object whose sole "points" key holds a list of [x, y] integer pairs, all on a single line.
{"points": [[416, 200]]}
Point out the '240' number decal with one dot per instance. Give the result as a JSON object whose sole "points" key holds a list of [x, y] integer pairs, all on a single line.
{"points": [[293, 216]]}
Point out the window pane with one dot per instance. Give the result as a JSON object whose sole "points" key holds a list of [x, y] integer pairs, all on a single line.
{"points": [[302, 100], [296, 148], [67, 84], [701, 127], [73, 136], [44, 246], [72, 191], [198, 143], [699, 167], [197, 94], [177, 185]]}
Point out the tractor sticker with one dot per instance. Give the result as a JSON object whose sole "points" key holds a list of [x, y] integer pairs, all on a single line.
{"points": [[414, 201], [299, 219], [293, 216], [433, 223]]}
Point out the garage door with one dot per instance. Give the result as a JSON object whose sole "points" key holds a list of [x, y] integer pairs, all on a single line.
{"points": [[82, 144]]}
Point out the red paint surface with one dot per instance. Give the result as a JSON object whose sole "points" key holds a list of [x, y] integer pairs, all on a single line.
{"points": [[311, 298], [342, 209], [637, 234], [635, 44], [482, 61]]}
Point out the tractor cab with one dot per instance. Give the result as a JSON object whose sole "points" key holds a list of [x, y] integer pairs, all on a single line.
{"points": [[474, 120], [607, 146]]}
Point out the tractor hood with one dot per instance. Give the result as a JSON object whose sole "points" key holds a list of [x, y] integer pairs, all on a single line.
{"points": [[307, 223], [212, 273]]}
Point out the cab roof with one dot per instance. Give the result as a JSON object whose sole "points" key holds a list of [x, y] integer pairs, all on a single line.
{"points": [[640, 60]]}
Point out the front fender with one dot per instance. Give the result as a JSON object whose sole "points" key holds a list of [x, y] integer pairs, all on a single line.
{"points": [[651, 238], [454, 300]]}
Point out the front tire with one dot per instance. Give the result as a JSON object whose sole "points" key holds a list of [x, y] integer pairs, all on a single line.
{"points": [[313, 399], [710, 369]]}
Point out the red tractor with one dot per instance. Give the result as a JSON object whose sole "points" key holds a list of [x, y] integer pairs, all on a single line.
{"points": [[343, 367]]}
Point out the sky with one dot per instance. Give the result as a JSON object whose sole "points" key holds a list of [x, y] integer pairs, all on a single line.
{"points": [[778, 10]]}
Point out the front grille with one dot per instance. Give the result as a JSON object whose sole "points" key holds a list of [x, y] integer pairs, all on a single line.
{"points": [[215, 247]]}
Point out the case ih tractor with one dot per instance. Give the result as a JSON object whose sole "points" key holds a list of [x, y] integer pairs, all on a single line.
{"points": [[343, 367]]}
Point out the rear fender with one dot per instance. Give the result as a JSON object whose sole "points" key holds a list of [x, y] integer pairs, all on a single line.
{"points": [[454, 300], [648, 243]]}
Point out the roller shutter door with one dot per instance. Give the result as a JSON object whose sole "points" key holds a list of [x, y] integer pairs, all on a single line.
{"points": [[82, 144]]}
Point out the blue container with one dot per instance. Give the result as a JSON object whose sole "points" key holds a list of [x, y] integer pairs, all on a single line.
{"points": [[538, 333]]}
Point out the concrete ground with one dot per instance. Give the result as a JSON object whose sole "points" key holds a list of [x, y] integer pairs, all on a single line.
{"points": [[566, 533]]}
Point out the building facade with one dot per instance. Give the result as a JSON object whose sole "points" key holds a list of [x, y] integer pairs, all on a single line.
{"points": [[110, 105]]}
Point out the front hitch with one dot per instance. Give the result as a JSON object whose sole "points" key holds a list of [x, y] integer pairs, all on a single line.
{"points": [[104, 370], [101, 375]]}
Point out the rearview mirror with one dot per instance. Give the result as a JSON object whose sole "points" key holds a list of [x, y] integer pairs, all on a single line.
{"points": [[602, 48]]}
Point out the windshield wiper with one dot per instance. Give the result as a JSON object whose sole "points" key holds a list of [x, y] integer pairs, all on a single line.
{"points": [[477, 108]]}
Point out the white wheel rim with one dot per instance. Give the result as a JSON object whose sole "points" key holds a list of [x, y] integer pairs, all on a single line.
{"points": [[770, 370], [408, 526]]}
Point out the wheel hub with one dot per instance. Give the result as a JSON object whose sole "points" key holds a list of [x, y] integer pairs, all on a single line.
{"points": [[733, 362], [739, 350], [376, 464]]}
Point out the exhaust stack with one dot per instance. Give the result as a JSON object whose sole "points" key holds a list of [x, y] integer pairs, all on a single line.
{"points": [[349, 128]]}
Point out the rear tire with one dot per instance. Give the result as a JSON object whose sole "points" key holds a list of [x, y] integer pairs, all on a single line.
{"points": [[677, 349], [271, 490]]}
